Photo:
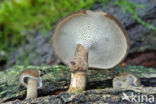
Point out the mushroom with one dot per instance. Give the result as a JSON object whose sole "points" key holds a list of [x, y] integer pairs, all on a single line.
{"points": [[89, 39], [126, 80], [31, 79]]}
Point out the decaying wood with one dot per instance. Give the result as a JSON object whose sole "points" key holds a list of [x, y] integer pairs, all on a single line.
{"points": [[142, 90]]}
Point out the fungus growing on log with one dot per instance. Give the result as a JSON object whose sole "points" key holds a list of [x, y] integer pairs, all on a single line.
{"points": [[32, 81], [126, 80], [89, 39]]}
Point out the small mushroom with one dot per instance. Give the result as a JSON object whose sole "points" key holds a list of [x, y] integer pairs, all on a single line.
{"points": [[126, 80], [32, 81], [93, 39]]}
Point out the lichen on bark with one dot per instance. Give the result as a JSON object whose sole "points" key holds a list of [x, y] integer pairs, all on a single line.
{"points": [[57, 78]]}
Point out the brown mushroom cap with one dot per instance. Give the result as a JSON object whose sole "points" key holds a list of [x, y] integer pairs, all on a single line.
{"points": [[29, 73], [99, 32]]}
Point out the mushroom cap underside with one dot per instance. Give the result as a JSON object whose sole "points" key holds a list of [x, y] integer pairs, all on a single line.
{"points": [[33, 74], [99, 32]]}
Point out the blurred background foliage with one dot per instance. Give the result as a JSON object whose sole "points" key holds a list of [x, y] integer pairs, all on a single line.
{"points": [[19, 17]]}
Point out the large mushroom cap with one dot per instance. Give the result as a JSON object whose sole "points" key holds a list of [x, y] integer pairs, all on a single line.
{"points": [[30, 73], [99, 32]]}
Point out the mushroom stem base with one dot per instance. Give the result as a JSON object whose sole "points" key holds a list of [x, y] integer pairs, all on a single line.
{"points": [[78, 67], [32, 88], [78, 82]]}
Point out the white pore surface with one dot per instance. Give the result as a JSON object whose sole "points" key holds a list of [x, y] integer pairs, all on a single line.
{"points": [[102, 37], [39, 80]]}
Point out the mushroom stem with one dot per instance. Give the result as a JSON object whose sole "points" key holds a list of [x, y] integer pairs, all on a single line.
{"points": [[32, 88], [78, 67]]}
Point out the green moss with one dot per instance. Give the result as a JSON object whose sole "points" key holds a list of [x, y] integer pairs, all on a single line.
{"points": [[58, 77], [19, 17], [130, 7], [9, 80]]}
